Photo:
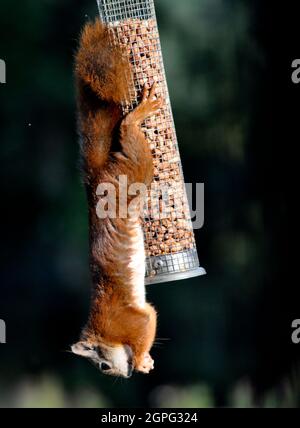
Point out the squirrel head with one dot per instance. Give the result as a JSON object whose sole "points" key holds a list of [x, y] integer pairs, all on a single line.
{"points": [[113, 360]]}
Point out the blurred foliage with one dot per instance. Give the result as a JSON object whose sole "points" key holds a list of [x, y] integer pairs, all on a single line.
{"points": [[216, 326]]}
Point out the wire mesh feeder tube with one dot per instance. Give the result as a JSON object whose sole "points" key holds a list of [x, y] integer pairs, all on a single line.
{"points": [[170, 246]]}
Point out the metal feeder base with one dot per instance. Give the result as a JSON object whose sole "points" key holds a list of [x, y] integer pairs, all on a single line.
{"points": [[173, 267]]}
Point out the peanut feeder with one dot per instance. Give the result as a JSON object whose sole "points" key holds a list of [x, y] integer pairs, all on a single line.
{"points": [[170, 247]]}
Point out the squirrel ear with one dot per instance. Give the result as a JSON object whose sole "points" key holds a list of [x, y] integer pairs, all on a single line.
{"points": [[84, 349]]}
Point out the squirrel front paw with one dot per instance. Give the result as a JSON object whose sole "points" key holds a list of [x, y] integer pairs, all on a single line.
{"points": [[145, 363]]}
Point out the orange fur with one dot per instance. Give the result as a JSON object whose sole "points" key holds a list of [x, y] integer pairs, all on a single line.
{"points": [[111, 146]]}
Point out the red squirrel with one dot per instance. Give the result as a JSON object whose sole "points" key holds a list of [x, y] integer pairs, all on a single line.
{"points": [[121, 326]]}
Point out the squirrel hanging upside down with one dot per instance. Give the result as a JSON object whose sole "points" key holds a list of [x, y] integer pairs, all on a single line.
{"points": [[121, 326]]}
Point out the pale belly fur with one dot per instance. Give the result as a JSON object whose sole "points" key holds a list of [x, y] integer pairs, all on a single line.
{"points": [[137, 264]]}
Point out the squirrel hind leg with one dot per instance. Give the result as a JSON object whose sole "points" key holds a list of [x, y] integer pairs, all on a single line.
{"points": [[102, 66]]}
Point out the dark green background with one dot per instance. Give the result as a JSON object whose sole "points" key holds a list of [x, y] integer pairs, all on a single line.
{"points": [[229, 333]]}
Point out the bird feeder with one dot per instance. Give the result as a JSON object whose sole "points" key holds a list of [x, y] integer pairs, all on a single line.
{"points": [[170, 246]]}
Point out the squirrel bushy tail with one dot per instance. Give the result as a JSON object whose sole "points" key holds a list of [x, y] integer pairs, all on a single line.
{"points": [[101, 66]]}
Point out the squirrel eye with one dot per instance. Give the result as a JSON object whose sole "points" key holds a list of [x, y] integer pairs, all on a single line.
{"points": [[104, 367]]}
